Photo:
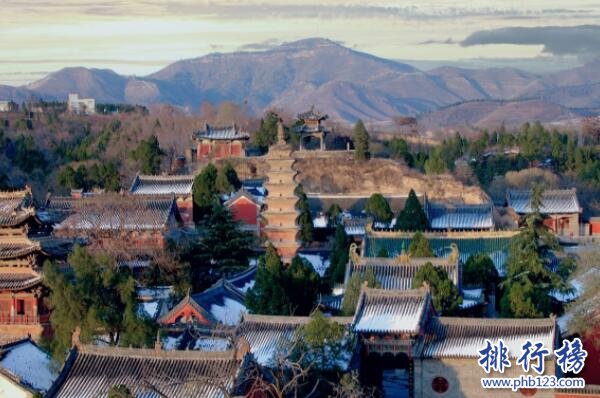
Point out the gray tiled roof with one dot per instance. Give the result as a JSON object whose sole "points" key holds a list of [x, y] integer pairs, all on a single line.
{"points": [[391, 311], [462, 217], [395, 276], [92, 371], [120, 213], [463, 337], [267, 334], [162, 185], [312, 114], [556, 201], [222, 133]]}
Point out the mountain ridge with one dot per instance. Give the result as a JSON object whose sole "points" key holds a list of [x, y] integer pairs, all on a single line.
{"points": [[346, 83]]}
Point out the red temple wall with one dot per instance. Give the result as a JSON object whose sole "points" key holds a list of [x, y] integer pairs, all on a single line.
{"points": [[244, 211]]}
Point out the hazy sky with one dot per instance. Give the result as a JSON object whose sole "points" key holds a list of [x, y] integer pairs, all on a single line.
{"points": [[141, 36]]}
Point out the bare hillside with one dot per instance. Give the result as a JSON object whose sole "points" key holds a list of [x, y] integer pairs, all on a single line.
{"points": [[345, 175]]}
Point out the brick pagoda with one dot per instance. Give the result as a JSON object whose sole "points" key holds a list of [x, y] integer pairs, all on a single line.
{"points": [[281, 228]]}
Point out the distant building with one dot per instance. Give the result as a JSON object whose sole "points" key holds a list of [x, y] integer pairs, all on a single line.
{"points": [[81, 106], [8, 106], [220, 142], [311, 127], [559, 206], [166, 186]]}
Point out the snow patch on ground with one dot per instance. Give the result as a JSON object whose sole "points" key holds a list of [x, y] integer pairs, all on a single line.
{"points": [[230, 313], [31, 365], [148, 309], [171, 343]]}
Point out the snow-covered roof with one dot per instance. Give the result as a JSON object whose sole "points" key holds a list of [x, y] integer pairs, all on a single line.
{"points": [[556, 201], [31, 365], [463, 337], [90, 371], [462, 217], [391, 311], [162, 185], [393, 274], [268, 335]]}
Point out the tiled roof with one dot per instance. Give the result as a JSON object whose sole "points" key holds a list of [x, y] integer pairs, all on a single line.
{"points": [[92, 371], [391, 311], [354, 204], [26, 363], [495, 247], [267, 334], [242, 193], [312, 114], [222, 133], [19, 280], [15, 207], [162, 185], [393, 275], [18, 248], [244, 280], [120, 213], [223, 301], [460, 217], [463, 337], [555, 201]]}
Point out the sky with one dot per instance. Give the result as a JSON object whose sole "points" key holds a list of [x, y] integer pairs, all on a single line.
{"points": [[139, 37]]}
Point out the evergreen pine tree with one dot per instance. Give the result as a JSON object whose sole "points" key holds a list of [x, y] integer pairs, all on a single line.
{"points": [[379, 208], [98, 297], [302, 286], [339, 257], [204, 191], [268, 295], [444, 293], [223, 249], [530, 279], [227, 180], [149, 155], [353, 287], [360, 137], [304, 218], [412, 217], [419, 246]]}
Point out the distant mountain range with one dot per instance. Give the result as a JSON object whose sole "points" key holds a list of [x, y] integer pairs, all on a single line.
{"points": [[344, 83]]}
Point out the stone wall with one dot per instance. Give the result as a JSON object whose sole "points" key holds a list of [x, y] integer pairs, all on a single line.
{"points": [[464, 378]]}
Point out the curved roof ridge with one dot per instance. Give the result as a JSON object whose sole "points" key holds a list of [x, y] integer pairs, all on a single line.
{"points": [[156, 353]]}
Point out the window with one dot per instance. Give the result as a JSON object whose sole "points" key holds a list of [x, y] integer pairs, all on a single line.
{"points": [[20, 307], [439, 384]]}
